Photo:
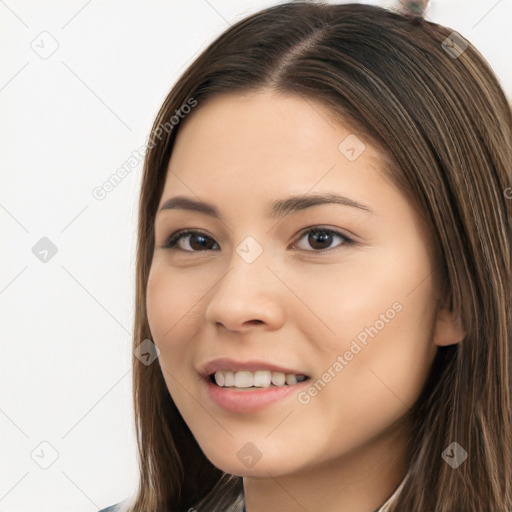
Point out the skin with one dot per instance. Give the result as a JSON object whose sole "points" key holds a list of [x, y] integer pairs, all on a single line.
{"points": [[344, 451]]}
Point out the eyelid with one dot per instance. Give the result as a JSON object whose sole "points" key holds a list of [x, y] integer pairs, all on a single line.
{"points": [[175, 237], [347, 240]]}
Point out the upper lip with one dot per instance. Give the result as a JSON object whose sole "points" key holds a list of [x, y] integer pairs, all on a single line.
{"points": [[225, 363]]}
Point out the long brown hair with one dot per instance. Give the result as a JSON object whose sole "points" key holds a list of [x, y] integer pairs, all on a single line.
{"points": [[445, 122]]}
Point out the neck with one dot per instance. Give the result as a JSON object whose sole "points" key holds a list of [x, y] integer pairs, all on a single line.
{"points": [[360, 481]]}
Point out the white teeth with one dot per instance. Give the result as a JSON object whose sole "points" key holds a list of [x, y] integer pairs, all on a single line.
{"points": [[278, 378], [243, 379], [229, 379], [291, 379], [219, 378], [259, 379]]}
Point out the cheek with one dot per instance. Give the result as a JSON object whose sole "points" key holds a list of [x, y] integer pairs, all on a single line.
{"points": [[365, 291], [404, 351], [377, 382], [385, 366], [170, 309], [379, 314]]}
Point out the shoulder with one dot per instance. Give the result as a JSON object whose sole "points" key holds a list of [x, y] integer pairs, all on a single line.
{"points": [[123, 506], [112, 508]]}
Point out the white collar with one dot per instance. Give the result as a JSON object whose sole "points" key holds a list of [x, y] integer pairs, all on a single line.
{"points": [[392, 498]]}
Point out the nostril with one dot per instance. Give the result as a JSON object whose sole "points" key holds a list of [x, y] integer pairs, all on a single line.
{"points": [[254, 322]]}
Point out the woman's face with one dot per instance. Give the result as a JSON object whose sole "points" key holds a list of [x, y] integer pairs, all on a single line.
{"points": [[351, 306]]}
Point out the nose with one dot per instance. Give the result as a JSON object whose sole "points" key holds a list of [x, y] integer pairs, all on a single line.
{"points": [[248, 295]]}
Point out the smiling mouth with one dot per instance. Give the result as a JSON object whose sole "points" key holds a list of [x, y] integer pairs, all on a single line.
{"points": [[247, 380]]}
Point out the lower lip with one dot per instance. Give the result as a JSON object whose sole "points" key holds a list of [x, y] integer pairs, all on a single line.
{"points": [[250, 401]]}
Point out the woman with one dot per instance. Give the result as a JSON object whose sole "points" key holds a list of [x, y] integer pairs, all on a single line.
{"points": [[324, 270]]}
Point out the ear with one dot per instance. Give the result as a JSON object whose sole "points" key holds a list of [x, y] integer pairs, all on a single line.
{"points": [[447, 329]]}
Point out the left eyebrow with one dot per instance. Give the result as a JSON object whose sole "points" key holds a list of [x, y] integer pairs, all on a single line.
{"points": [[284, 206], [277, 209]]}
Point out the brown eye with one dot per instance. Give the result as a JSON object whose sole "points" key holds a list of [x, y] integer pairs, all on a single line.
{"points": [[196, 240], [321, 239]]}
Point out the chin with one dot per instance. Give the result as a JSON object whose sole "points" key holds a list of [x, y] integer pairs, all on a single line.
{"points": [[250, 461]]}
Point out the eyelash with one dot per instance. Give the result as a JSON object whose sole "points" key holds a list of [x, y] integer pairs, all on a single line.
{"points": [[175, 237]]}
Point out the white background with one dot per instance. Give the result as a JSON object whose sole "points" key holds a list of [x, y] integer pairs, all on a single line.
{"points": [[68, 122]]}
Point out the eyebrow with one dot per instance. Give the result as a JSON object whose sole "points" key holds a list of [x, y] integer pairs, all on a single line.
{"points": [[277, 209]]}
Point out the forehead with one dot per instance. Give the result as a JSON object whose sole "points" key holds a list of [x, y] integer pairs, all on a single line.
{"points": [[268, 121], [269, 140]]}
